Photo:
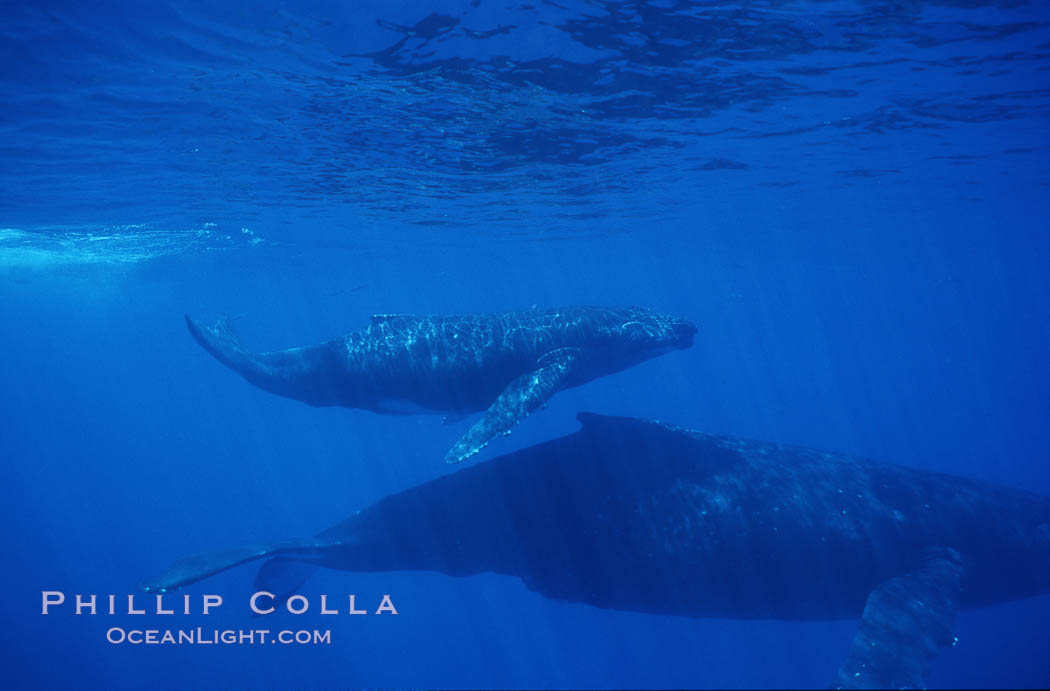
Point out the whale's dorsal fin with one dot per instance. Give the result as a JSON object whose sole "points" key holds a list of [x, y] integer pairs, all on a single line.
{"points": [[906, 621], [597, 422], [522, 396]]}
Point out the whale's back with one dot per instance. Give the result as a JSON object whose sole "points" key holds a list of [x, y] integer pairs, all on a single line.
{"points": [[636, 515]]}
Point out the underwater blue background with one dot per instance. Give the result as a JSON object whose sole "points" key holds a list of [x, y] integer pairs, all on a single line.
{"points": [[850, 199]]}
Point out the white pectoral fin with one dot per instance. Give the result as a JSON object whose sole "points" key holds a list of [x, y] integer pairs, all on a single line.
{"points": [[906, 621], [522, 396]]}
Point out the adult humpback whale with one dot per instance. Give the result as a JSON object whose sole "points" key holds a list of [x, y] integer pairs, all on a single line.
{"points": [[507, 364], [637, 515]]}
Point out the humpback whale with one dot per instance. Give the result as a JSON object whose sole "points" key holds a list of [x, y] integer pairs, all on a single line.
{"points": [[507, 364], [638, 515]]}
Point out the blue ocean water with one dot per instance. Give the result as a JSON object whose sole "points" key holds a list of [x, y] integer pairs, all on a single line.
{"points": [[850, 199]]}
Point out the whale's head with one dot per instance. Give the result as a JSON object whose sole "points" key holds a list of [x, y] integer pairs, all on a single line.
{"points": [[636, 334], [647, 329]]}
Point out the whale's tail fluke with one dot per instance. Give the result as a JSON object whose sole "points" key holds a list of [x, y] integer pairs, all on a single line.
{"points": [[298, 373], [283, 577], [220, 342], [198, 567]]}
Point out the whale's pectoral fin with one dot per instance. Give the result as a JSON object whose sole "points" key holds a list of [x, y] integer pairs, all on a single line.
{"points": [[522, 396], [906, 621], [192, 569]]}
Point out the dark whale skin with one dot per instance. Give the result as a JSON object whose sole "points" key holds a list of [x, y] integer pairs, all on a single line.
{"points": [[634, 515]]}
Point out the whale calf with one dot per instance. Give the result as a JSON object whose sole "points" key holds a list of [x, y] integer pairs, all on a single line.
{"points": [[638, 515], [507, 364]]}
